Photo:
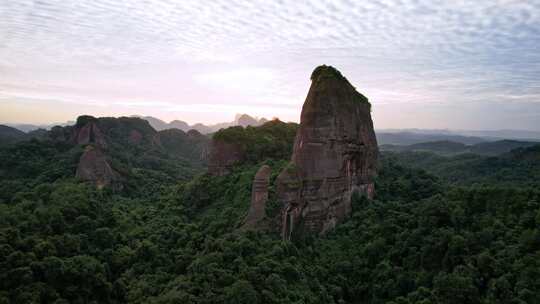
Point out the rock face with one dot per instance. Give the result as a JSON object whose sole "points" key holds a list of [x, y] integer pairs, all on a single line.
{"points": [[94, 167], [259, 197], [87, 134], [335, 155], [288, 192], [86, 131], [223, 156]]}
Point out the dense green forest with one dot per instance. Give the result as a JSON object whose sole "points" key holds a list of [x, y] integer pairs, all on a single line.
{"points": [[449, 148], [461, 229], [272, 140], [520, 167]]}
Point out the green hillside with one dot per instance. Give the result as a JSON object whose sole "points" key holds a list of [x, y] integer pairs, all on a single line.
{"points": [[449, 148], [272, 140], [517, 167], [9, 135], [426, 238]]}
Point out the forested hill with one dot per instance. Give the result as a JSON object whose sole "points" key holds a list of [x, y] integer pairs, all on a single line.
{"points": [[518, 167], [126, 150], [440, 230], [447, 147], [9, 135]]}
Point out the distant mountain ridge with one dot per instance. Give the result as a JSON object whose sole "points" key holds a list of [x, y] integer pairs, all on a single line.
{"points": [[410, 138], [407, 136], [26, 128], [243, 120], [10, 135], [487, 135], [446, 147]]}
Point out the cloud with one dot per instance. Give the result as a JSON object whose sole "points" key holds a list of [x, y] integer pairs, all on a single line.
{"points": [[255, 52], [114, 32], [237, 79]]}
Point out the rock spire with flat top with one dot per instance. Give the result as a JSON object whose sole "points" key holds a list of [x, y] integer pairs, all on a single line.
{"points": [[335, 154]]}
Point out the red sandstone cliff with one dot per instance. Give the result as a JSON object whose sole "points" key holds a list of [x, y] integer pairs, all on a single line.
{"points": [[223, 156], [94, 167], [259, 197], [335, 155]]}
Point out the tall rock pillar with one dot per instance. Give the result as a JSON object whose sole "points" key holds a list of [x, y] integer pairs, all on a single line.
{"points": [[259, 197], [335, 154]]}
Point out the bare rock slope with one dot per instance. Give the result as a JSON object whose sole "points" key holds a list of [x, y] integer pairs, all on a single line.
{"points": [[223, 156], [94, 167]]}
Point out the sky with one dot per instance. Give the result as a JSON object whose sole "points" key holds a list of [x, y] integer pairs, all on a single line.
{"points": [[422, 63]]}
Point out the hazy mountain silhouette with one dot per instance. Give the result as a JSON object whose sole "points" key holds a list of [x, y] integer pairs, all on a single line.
{"points": [[473, 135], [446, 147], [10, 135], [243, 120]]}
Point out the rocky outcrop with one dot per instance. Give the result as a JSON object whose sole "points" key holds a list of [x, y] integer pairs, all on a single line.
{"points": [[94, 167], [102, 139], [127, 141], [86, 131], [223, 156], [259, 197], [335, 155], [288, 187], [89, 133]]}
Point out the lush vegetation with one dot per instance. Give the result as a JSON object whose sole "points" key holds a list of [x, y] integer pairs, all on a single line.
{"points": [[327, 71], [517, 168], [272, 140], [10, 135], [449, 148], [424, 239]]}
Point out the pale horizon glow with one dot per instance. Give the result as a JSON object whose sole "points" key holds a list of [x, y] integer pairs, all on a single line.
{"points": [[422, 63]]}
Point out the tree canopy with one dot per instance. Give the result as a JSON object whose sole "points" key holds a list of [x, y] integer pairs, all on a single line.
{"points": [[440, 230]]}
